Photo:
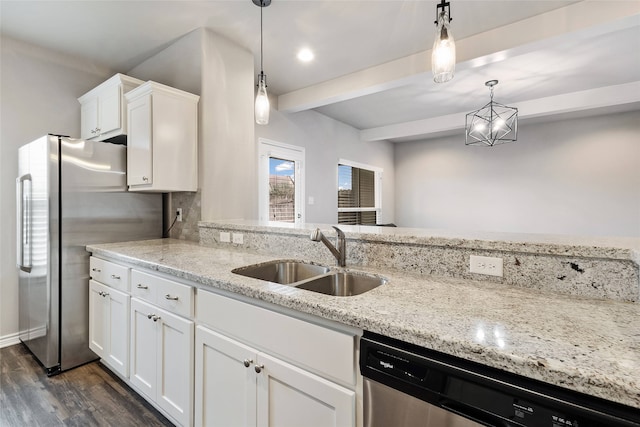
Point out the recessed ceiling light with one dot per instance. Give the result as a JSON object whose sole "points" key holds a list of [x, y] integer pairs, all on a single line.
{"points": [[305, 55]]}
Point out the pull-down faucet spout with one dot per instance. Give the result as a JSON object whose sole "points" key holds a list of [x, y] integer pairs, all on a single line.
{"points": [[340, 253]]}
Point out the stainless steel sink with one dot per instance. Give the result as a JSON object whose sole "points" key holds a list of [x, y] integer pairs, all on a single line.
{"points": [[283, 272], [343, 284]]}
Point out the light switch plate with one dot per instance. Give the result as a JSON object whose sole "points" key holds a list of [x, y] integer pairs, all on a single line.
{"points": [[486, 265], [225, 237]]}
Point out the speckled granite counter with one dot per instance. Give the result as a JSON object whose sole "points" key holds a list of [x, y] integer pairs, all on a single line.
{"points": [[593, 267], [588, 345]]}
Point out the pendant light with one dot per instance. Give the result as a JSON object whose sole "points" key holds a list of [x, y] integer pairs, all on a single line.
{"points": [[443, 53], [492, 124], [262, 100]]}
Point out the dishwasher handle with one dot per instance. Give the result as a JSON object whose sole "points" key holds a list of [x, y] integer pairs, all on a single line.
{"points": [[475, 415]]}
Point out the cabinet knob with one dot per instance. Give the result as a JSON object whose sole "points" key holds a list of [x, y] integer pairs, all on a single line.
{"points": [[247, 362], [141, 286], [149, 316], [145, 179], [156, 318], [103, 294], [97, 270], [97, 130], [170, 298], [258, 368], [113, 276]]}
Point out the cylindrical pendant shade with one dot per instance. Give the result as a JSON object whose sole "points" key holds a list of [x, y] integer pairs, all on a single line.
{"points": [[262, 102], [443, 54]]}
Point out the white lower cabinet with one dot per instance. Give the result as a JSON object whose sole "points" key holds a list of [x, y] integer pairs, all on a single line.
{"points": [[162, 358], [289, 396], [237, 385], [109, 326], [244, 365], [225, 385]]}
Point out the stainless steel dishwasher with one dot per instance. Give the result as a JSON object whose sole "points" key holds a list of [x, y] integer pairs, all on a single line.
{"points": [[410, 386]]}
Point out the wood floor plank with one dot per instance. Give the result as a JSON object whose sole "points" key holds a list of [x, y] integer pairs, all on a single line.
{"points": [[89, 395]]}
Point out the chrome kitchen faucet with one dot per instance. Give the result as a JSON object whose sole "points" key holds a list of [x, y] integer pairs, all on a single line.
{"points": [[341, 252]]}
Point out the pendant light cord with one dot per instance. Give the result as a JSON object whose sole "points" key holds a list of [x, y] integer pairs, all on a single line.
{"points": [[261, 7]]}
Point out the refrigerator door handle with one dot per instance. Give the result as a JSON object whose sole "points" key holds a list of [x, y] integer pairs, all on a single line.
{"points": [[24, 226]]}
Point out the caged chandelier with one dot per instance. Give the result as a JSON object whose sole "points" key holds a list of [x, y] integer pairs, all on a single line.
{"points": [[262, 100], [492, 124]]}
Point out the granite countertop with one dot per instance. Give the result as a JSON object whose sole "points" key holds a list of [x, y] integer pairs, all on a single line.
{"points": [[591, 346], [622, 248]]}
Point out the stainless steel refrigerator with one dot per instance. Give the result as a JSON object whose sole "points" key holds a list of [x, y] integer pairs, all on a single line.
{"points": [[70, 193]]}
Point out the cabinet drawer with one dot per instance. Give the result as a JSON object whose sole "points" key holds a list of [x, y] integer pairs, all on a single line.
{"points": [[172, 296], [143, 286], [110, 274], [326, 351]]}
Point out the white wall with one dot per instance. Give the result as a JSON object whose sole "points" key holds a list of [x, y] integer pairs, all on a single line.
{"points": [[326, 141], [39, 91], [222, 74], [579, 176]]}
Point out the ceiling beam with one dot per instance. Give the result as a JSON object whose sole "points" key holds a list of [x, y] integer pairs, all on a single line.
{"points": [[602, 97], [475, 51]]}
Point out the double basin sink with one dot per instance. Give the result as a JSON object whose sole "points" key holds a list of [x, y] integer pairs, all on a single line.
{"points": [[312, 277]]}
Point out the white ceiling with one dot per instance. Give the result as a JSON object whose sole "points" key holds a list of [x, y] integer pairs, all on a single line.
{"points": [[536, 49]]}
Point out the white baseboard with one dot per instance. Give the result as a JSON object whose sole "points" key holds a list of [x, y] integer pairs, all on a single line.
{"points": [[10, 339]]}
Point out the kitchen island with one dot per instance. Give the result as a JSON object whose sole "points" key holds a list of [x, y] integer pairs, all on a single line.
{"points": [[583, 344]]}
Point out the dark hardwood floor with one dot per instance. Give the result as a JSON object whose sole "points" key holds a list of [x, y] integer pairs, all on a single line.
{"points": [[85, 396]]}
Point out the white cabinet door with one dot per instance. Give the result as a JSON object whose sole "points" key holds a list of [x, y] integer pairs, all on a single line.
{"points": [[89, 118], [117, 355], [162, 139], [139, 140], [225, 381], [144, 347], [175, 366], [290, 397], [98, 318], [109, 326], [110, 109]]}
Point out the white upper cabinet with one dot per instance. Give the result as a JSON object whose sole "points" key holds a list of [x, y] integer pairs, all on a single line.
{"points": [[103, 112], [162, 141]]}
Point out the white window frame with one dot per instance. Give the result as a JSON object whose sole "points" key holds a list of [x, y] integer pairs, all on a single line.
{"points": [[378, 190], [268, 148]]}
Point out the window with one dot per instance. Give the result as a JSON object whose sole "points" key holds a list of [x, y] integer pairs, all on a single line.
{"points": [[281, 182], [282, 190], [358, 193]]}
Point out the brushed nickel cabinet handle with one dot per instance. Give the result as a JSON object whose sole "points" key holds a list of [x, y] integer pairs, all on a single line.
{"points": [[170, 298], [259, 368], [97, 270], [247, 362], [141, 286], [113, 276]]}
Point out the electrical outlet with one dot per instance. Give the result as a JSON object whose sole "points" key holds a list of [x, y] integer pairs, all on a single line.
{"points": [[485, 265], [225, 237], [179, 214], [238, 238]]}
